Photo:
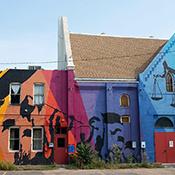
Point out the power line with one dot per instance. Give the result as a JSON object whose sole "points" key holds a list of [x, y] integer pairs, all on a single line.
{"points": [[84, 59], [39, 62]]}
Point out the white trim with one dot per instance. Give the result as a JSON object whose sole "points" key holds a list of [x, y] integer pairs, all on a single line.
{"points": [[121, 121], [107, 79], [38, 83], [9, 150], [37, 127], [120, 36], [128, 97], [10, 93]]}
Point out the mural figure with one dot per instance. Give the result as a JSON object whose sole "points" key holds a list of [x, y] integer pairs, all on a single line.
{"points": [[92, 127], [115, 131], [7, 124], [2, 101], [72, 119], [23, 158], [100, 142], [110, 119], [27, 133], [26, 109]]}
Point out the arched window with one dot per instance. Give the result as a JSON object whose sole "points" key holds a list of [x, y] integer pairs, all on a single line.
{"points": [[169, 82], [163, 122], [124, 100]]}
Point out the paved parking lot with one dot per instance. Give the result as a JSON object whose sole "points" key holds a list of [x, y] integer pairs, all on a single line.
{"points": [[157, 171]]}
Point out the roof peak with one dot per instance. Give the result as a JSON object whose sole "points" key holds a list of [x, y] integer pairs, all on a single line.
{"points": [[118, 36]]}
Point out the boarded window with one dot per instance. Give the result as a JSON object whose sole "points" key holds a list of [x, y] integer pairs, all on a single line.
{"points": [[163, 122], [125, 119], [15, 90], [14, 139], [38, 93], [61, 142], [169, 82], [124, 100], [37, 139]]}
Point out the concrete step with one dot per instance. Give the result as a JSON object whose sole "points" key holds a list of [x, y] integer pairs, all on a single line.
{"points": [[169, 165]]}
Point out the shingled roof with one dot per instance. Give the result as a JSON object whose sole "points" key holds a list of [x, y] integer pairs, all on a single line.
{"points": [[112, 57]]}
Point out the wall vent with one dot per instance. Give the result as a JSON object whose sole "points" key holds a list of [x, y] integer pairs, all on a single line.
{"points": [[34, 67]]}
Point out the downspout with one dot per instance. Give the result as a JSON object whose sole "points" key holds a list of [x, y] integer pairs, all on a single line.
{"points": [[139, 125]]}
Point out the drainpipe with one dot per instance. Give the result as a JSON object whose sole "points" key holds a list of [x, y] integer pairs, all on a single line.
{"points": [[139, 89], [109, 108], [70, 100]]}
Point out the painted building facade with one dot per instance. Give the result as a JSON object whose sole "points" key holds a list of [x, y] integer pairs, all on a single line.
{"points": [[156, 105], [29, 113], [107, 90], [113, 115], [45, 114]]}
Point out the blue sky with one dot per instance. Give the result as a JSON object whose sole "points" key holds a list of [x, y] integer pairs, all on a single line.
{"points": [[28, 28]]}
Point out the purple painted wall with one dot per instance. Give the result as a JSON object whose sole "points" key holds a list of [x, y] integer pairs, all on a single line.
{"points": [[102, 101]]}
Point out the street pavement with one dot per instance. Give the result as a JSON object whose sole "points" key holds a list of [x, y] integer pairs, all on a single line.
{"points": [[61, 171]]}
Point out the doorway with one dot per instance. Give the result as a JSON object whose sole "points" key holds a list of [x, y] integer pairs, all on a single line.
{"points": [[165, 147], [60, 145]]}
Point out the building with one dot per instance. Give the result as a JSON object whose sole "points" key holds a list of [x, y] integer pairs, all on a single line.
{"points": [[104, 92], [156, 105], [28, 114], [108, 68]]}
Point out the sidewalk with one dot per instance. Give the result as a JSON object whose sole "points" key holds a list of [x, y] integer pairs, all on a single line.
{"points": [[141, 171], [62, 171]]}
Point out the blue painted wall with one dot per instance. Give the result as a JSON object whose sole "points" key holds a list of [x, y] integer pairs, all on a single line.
{"points": [[104, 98], [151, 109]]}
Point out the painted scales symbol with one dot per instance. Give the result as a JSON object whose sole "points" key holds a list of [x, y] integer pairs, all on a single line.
{"points": [[157, 93]]}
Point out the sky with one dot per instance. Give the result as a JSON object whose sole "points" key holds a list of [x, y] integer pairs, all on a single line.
{"points": [[29, 28]]}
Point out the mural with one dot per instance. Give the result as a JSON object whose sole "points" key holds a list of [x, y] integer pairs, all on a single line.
{"points": [[75, 123], [106, 126], [27, 115], [157, 95]]}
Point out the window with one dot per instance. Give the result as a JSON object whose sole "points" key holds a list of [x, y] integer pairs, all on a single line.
{"points": [[169, 82], [125, 119], [37, 139], [14, 139], [38, 93], [61, 142], [124, 100], [163, 122], [60, 130], [15, 89]]}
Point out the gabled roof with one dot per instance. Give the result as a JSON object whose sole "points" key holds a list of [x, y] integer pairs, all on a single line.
{"points": [[112, 57]]}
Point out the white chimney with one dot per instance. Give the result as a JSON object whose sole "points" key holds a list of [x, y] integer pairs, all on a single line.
{"points": [[65, 60]]}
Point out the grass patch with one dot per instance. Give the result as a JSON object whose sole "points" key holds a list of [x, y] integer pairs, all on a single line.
{"points": [[87, 158], [7, 166], [38, 167], [103, 165], [100, 164]]}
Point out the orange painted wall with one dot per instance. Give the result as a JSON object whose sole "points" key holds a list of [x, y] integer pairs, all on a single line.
{"points": [[9, 113]]}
